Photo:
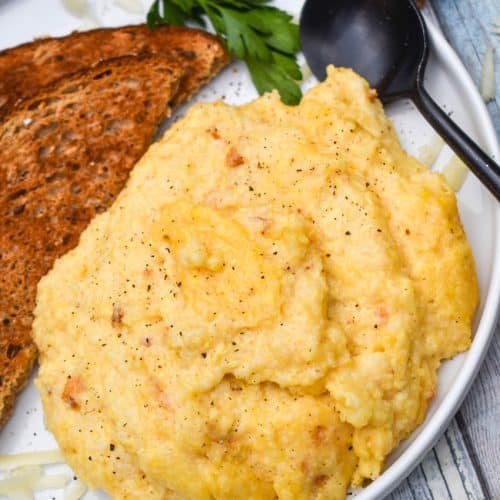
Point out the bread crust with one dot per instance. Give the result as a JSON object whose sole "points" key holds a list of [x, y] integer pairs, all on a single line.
{"points": [[29, 67], [66, 152]]}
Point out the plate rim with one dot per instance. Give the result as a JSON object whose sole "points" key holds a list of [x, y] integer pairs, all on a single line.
{"points": [[439, 422]]}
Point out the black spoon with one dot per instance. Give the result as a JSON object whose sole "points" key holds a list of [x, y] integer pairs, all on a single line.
{"points": [[386, 41]]}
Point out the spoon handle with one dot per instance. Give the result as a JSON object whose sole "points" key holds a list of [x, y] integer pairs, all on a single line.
{"points": [[471, 154]]}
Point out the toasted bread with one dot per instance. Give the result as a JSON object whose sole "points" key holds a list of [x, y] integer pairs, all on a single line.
{"points": [[64, 156], [27, 68]]}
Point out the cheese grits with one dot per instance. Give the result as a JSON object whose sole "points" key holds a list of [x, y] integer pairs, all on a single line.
{"points": [[262, 311]]}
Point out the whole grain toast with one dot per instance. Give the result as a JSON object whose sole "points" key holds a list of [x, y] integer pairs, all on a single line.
{"points": [[64, 156], [27, 68]]}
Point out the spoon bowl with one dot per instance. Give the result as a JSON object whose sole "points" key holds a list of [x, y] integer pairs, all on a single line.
{"points": [[386, 42], [391, 57]]}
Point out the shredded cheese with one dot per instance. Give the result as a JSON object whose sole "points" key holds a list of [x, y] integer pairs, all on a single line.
{"points": [[81, 9], [429, 153], [24, 475], [78, 8], [26, 484], [53, 481], [21, 495], [75, 490], [27, 470], [306, 72], [20, 482], [487, 86], [495, 26], [130, 6], [455, 172], [9, 462], [88, 23]]}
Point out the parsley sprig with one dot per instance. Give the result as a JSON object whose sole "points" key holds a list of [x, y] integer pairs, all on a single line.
{"points": [[262, 36]]}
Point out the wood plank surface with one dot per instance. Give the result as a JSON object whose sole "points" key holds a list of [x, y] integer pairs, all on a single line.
{"points": [[465, 463]]}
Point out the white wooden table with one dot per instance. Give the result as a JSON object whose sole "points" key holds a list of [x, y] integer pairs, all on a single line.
{"points": [[465, 463]]}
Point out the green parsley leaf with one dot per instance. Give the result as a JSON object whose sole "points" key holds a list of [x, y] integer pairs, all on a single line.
{"points": [[281, 33], [154, 17], [262, 36], [267, 76], [288, 64], [242, 41]]}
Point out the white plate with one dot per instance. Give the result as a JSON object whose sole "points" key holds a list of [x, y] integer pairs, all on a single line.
{"points": [[451, 86]]}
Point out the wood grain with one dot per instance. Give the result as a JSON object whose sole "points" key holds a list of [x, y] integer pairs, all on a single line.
{"points": [[447, 472], [465, 463], [467, 25]]}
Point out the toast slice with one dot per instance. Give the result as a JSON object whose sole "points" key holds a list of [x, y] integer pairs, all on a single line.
{"points": [[27, 68], [64, 156]]}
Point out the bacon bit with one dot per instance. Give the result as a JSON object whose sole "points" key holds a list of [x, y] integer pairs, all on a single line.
{"points": [[162, 397], [214, 132], [430, 393], [164, 402], [263, 222], [235, 387], [320, 480], [147, 341], [305, 466], [372, 95], [382, 316], [319, 435], [73, 387], [117, 316], [233, 158]]}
